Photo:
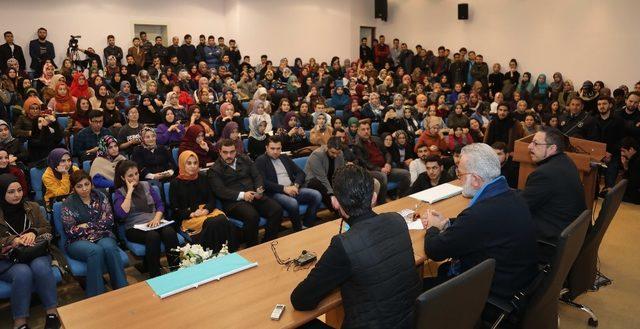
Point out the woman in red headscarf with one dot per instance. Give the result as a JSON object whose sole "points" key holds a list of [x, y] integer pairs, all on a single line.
{"points": [[80, 86], [62, 102], [194, 140]]}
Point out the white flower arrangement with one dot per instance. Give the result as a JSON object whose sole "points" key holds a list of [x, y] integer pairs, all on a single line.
{"points": [[192, 254]]}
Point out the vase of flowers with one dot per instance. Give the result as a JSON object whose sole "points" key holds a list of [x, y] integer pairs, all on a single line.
{"points": [[192, 254]]}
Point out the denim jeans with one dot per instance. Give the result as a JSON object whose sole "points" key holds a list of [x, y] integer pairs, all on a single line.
{"points": [[306, 196], [23, 278], [101, 256]]}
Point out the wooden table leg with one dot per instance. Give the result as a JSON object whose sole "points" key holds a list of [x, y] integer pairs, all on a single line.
{"points": [[335, 316]]}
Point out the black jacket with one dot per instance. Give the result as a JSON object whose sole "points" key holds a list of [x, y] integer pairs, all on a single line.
{"points": [[555, 196], [423, 182], [498, 227], [187, 54], [227, 183], [632, 194], [6, 53], [609, 131], [268, 172], [374, 267], [116, 52]]}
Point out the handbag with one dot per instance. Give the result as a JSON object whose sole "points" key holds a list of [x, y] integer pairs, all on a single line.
{"points": [[25, 254], [193, 225]]}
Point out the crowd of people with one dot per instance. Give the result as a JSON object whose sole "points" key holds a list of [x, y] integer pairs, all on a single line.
{"points": [[223, 131]]}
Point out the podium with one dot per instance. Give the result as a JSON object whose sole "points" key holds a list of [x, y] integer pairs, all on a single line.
{"points": [[585, 153]]}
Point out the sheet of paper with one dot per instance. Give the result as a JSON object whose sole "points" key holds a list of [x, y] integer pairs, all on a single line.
{"points": [[437, 193], [415, 225], [144, 227]]}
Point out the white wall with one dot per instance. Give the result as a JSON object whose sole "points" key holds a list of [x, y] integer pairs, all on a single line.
{"points": [[583, 39]]}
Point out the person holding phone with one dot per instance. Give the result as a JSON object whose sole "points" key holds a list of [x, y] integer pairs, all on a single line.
{"points": [[137, 203]]}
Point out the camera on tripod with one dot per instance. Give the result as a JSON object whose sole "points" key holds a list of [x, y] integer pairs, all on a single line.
{"points": [[73, 42]]}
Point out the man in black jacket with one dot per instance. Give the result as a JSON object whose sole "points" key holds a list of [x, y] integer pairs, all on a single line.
{"points": [[508, 168], [372, 263], [433, 176], [40, 50], [497, 224], [283, 181], [371, 154], [11, 50], [630, 159], [553, 191], [238, 184], [187, 53], [112, 50]]}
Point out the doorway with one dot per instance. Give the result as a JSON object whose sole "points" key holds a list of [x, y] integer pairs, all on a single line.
{"points": [[153, 31], [368, 32]]}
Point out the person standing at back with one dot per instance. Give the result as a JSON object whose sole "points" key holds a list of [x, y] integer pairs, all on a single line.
{"points": [[372, 263], [553, 191]]}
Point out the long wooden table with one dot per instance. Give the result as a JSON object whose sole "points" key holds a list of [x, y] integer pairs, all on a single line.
{"points": [[243, 300]]}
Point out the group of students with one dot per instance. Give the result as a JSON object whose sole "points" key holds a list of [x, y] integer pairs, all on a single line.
{"points": [[128, 119]]}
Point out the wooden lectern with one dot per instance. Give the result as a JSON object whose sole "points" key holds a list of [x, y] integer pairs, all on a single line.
{"points": [[586, 153]]}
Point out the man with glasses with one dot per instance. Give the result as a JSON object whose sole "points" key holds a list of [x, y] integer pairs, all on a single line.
{"points": [[553, 191], [86, 143], [496, 224]]}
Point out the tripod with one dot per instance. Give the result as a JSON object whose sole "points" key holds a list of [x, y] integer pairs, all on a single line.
{"points": [[74, 55]]}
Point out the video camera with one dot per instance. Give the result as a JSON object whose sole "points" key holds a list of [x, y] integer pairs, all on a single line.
{"points": [[73, 42]]}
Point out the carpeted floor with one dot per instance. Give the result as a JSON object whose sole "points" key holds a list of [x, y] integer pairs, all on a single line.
{"points": [[615, 305]]}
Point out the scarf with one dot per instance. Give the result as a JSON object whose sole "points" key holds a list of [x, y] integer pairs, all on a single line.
{"points": [[182, 163], [80, 90], [9, 138], [188, 142], [103, 147], [255, 122], [493, 188], [541, 88], [54, 158], [64, 103], [226, 134], [14, 214], [145, 130]]}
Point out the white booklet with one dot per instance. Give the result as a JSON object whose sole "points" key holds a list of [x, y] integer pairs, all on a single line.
{"points": [[437, 193], [144, 227]]}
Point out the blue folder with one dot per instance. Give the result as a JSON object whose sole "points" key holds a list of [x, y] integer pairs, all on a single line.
{"points": [[196, 275]]}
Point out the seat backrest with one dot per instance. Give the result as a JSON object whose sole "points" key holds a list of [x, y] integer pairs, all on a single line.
{"points": [[374, 128], [301, 162], [542, 310], [174, 154], [166, 187], [246, 123], [57, 222], [583, 272], [35, 174], [465, 294]]}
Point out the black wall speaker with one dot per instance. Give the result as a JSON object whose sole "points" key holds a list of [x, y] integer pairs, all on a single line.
{"points": [[381, 9], [463, 11]]}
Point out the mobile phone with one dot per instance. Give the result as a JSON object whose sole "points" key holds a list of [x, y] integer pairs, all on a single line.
{"points": [[277, 312]]}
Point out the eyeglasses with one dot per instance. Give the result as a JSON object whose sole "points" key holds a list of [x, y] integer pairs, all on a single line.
{"points": [[536, 144]]}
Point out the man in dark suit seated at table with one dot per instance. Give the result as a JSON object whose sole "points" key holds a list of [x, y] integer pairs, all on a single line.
{"points": [[372, 263], [553, 191], [238, 184], [434, 176], [496, 224]]}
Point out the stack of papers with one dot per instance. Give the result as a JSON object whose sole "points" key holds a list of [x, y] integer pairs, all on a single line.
{"points": [[437, 193], [144, 227]]}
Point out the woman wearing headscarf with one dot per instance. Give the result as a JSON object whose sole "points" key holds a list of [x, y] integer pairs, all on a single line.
{"points": [[48, 70], [6, 167], [80, 86], [46, 135], [49, 91], [541, 89], [172, 102], [257, 136], [525, 87], [232, 132], [124, 98], [292, 135], [170, 131], [339, 98], [113, 118], [322, 131], [141, 81], [10, 144], [103, 168], [102, 92], [136, 202], [87, 220], [62, 102], [21, 223], [155, 161], [556, 86], [195, 118], [194, 206], [259, 114], [260, 96], [373, 109], [227, 115], [195, 141], [56, 177]]}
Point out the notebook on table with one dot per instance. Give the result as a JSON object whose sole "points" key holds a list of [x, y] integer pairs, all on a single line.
{"points": [[437, 193]]}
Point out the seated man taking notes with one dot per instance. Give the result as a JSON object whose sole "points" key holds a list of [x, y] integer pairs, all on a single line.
{"points": [[496, 224], [433, 176], [372, 263]]}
